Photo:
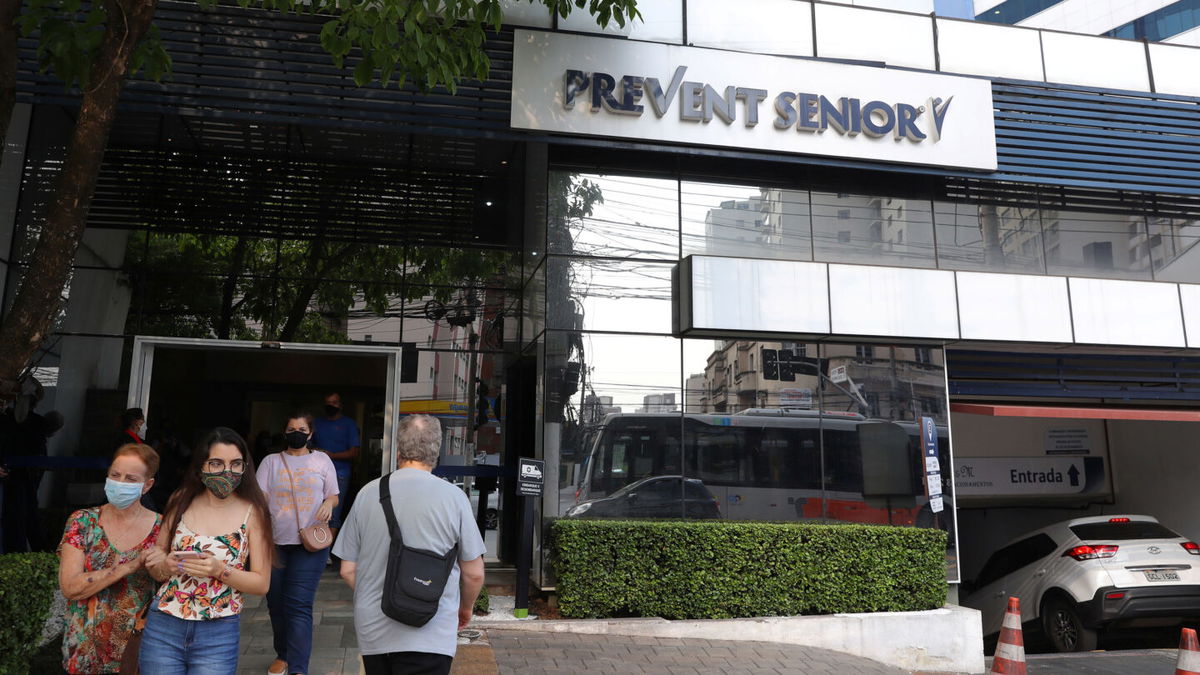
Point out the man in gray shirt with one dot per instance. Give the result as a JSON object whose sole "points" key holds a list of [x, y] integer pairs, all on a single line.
{"points": [[433, 515]]}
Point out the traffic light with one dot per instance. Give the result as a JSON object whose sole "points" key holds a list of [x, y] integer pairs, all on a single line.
{"points": [[770, 364], [786, 371]]}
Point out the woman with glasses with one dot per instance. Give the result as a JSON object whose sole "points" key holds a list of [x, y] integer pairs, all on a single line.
{"points": [[301, 488], [218, 547]]}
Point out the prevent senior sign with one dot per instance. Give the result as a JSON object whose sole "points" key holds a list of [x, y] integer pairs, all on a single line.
{"points": [[639, 90]]}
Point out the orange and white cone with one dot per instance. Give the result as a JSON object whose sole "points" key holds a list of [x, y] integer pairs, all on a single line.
{"points": [[1189, 654], [1010, 650]]}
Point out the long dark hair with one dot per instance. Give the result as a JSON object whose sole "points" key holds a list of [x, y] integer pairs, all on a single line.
{"points": [[192, 487]]}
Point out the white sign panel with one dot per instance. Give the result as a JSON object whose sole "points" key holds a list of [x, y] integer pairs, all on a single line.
{"points": [[795, 398], [1004, 476], [936, 505], [838, 375], [639, 90]]}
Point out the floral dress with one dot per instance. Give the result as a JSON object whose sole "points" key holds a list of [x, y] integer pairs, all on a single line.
{"points": [[99, 627], [186, 597]]}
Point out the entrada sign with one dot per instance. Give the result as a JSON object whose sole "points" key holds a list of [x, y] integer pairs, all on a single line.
{"points": [[799, 110], [631, 90]]}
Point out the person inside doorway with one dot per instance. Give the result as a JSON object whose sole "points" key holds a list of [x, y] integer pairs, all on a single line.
{"points": [[337, 435], [133, 428]]}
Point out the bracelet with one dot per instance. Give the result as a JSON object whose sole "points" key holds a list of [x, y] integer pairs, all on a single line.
{"points": [[228, 570]]}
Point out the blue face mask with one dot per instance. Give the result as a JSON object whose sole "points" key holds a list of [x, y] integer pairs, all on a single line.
{"points": [[122, 495]]}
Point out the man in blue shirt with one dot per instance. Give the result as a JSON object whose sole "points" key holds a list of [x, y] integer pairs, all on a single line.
{"points": [[338, 436]]}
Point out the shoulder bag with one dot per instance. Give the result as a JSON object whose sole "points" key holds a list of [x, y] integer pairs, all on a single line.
{"points": [[315, 537], [415, 579]]}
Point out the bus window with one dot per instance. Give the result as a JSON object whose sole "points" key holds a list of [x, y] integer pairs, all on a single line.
{"points": [[630, 453], [714, 453], [843, 462]]}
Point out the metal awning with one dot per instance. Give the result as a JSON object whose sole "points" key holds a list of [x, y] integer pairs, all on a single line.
{"points": [[1093, 413]]}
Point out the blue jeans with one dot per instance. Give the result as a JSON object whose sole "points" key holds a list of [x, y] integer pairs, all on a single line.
{"points": [[335, 520], [173, 646], [290, 602]]}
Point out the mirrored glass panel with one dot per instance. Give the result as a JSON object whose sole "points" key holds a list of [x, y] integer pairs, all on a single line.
{"points": [[1095, 244], [873, 229], [613, 216], [880, 464], [988, 237], [609, 295], [741, 221], [1172, 247], [617, 401]]}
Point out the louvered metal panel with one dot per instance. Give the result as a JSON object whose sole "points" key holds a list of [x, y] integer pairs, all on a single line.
{"points": [[1114, 377]]}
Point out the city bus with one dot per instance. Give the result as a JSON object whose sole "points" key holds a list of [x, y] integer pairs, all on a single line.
{"points": [[764, 464]]}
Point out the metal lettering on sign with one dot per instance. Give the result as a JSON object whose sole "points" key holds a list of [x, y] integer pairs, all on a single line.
{"points": [[626, 89], [530, 477]]}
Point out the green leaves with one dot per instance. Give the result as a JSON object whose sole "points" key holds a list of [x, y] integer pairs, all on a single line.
{"points": [[713, 570], [27, 584]]}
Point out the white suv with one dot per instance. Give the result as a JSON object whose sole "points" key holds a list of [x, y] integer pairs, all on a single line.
{"points": [[1081, 576]]}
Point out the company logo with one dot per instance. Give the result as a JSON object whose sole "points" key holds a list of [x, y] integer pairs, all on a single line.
{"points": [[1153, 550], [803, 111], [423, 582]]}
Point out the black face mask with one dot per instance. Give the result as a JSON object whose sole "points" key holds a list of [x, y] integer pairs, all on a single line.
{"points": [[296, 439], [332, 410]]}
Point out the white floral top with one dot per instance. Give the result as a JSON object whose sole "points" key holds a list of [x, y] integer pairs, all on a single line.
{"points": [[187, 597]]}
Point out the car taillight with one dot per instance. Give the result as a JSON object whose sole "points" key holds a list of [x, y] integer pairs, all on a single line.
{"points": [[1191, 547], [1114, 596], [1118, 520], [1086, 552]]}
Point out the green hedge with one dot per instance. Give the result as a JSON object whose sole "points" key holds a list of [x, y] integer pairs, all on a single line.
{"points": [[717, 570], [27, 584]]}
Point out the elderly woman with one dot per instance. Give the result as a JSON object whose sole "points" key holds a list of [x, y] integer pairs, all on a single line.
{"points": [[102, 571]]}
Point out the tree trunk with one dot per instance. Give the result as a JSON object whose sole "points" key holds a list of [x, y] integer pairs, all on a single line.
{"points": [[8, 65], [235, 269], [37, 302], [313, 273]]}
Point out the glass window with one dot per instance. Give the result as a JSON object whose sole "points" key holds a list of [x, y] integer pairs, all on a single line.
{"points": [[608, 295], [1094, 244], [738, 221], [1133, 529], [857, 228], [986, 237], [1172, 247], [613, 216]]}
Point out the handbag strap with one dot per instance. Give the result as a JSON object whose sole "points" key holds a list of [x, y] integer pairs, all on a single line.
{"points": [[385, 498], [292, 480]]}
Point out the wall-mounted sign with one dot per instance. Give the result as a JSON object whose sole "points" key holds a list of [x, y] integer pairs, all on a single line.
{"points": [[933, 467], [640, 90], [1074, 441], [1013, 476], [530, 478]]}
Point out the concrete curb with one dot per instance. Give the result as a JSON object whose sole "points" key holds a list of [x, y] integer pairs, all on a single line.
{"points": [[946, 640]]}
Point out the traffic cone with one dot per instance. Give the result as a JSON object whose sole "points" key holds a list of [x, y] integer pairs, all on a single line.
{"points": [[1189, 654], [1010, 650]]}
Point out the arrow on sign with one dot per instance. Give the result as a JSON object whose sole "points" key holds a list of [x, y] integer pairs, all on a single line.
{"points": [[1073, 473]]}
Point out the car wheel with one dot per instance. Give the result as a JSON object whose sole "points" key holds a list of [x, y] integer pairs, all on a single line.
{"points": [[491, 519], [1064, 627]]}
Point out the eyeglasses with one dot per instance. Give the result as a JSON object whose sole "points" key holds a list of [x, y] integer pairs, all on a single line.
{"points": [[237, 466]]}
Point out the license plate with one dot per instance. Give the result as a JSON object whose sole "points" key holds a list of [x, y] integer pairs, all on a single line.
{"points": [[1161, 575]]}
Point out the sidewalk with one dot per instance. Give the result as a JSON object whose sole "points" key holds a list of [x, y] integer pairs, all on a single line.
{"points": [[499, 651]]}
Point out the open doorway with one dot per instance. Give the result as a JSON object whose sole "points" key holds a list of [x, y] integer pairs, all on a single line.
{"points": [[188, 386]]}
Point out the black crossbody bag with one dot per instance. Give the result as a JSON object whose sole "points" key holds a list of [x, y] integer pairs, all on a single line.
{"points": [[415, 579]]}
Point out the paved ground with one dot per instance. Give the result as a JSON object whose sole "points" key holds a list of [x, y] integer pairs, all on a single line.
{"points": [[496, 651], [335, 651], [1127, 662]]}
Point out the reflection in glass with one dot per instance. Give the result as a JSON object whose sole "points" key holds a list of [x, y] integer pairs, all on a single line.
{"points": [[872, 229], [1172, 246], [613, 216], [987, 237], [1094, 244], [737, 221], [613, 419], [609, 295]]}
